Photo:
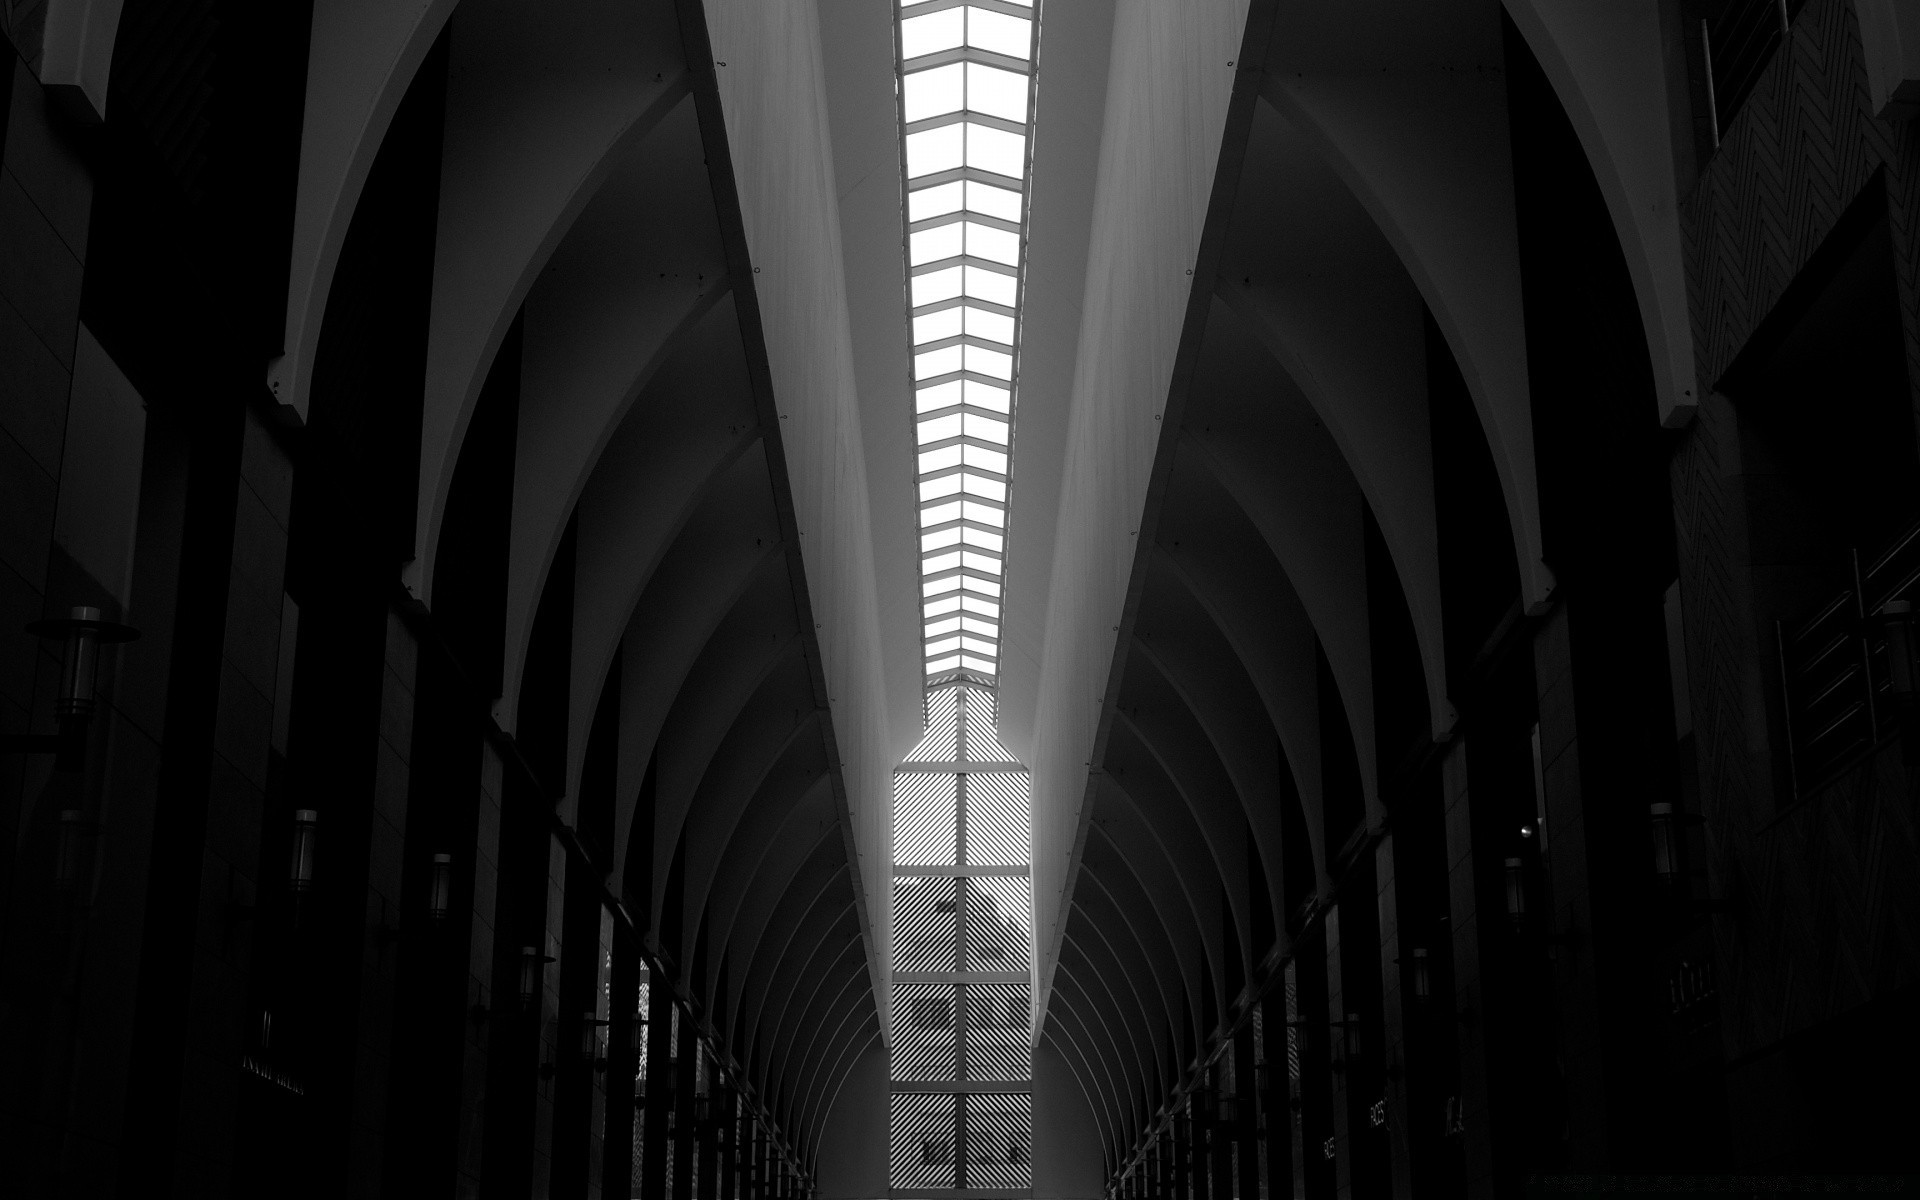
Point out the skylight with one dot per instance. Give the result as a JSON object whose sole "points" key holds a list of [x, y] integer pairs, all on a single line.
{"points": [[966, 106]]}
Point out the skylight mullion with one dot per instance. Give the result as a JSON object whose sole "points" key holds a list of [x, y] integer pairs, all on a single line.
{"points": [[966, 214], [954, 54], [966, 116], [1005, 310], [963, 260]]}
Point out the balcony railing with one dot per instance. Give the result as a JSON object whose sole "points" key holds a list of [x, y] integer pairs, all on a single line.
{"points": [[1835, 671]]}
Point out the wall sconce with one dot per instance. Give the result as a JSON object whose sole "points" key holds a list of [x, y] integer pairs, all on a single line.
{"points": [[306, 830], [590, 1027], [1666, 843], [66, 855], [532, 974], [84, 633], [440, 888], [1516, 874], [1896, 618], [1422, 976]]}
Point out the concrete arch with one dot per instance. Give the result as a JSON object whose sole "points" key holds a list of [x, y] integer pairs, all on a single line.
{"points": [[1607, 63]]}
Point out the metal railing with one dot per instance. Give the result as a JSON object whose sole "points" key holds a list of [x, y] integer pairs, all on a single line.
{"points": [[1736, 47], [1835, 673]]}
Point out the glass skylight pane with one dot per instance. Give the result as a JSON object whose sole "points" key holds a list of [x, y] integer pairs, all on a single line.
{"points": [[975, 537], [977, 646], [987, 200], [936, 587], [938, 286], [990, 286], [994, 245], [942, 241], [983, 628], [939, 429], [940, 514], [975, 604], [933, 33], [946, 456], [942, 647], [969, 663], [937, 92], [940, 395], [980, 485], [941, 200], [986, 587], [937, 665], [946, 323], [986, 395], [946, 485], [987, 148], [983, 324], [988, 362], [945, 605], [938, 362], [984, 563], [972, 511], [945, 148], [939, 628], [1000, 33], [995, 92], [976, 456], [985, 428], [940, 540], [942, 562]]}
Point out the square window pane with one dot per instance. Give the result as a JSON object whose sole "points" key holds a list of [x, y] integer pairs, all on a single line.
{"points": [[938, 286], [946, 485], [999, 33], [938, 362], [940, 514], [938, 201], [932, 245], [989, 325], [945, 148], [980, 485], [939, 429], [975, 537], [994, 245], [987, 396], [932, 33], [997, 93], [981, 284], [988, 362], [940, 395], [985, 428], [987, 149], [948, 322], [936, 93], [972, 510], [978, 456], [988, 200]]}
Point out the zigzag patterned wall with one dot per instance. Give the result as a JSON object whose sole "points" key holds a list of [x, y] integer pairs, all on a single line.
{"points": [[1805, 942]]}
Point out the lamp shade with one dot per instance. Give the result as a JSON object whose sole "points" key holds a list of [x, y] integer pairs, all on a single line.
{"points": [[1516, 880], [440, 888], [306, 829]]}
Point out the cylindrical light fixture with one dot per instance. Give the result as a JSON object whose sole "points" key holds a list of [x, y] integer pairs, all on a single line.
{"points": [[1666, 842], [1356, 1044], [306, 825], [531, 962], [1516, 872], [440, 888], [1897, 618], [66, 856], [1422, 976]]}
